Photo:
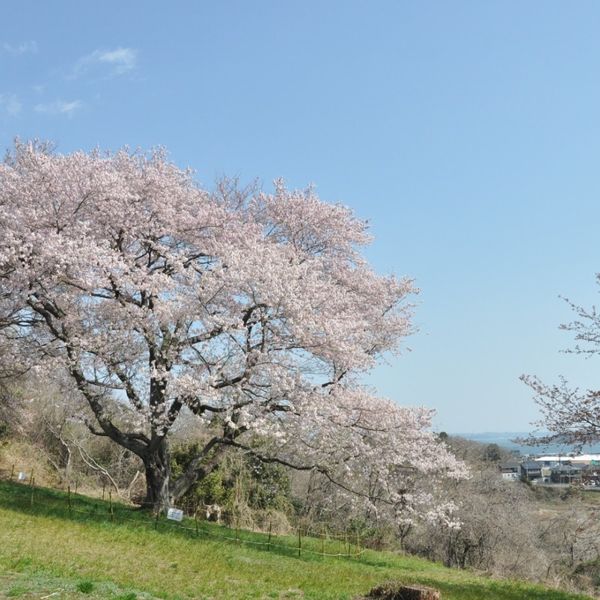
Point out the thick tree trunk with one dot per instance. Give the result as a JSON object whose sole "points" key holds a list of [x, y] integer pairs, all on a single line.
{"points": [[193, 473], [161, 491], [158, 478], [198, 468]]}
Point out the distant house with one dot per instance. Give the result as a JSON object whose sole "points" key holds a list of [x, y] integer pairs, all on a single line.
{"points": [[510, 470], [590, 475], [586, 459], [566, 474], [551, 461], [531, 470], [575, 459]]}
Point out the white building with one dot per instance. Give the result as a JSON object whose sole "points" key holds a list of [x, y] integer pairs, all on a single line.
{"points": [[581, 459]]}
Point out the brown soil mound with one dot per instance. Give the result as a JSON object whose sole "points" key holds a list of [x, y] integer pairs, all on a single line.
{"points": [[397, 591]]}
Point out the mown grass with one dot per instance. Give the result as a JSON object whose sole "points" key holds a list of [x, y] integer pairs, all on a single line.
{"points": [[84, 552], [26, 584]]}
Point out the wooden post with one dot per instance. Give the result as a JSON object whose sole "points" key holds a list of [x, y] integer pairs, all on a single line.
{"points": [[112, 515], [32, 488], [299, 541], [357, 544], [69, 498], [236, 515], [76, 485], [323, 541], [12, 472], [270, 530]]}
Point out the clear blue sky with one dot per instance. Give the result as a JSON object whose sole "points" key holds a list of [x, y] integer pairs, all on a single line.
{"points": [[468, 133]]}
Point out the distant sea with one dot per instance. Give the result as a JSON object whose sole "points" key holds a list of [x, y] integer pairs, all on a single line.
{"points": [[504, 439]]}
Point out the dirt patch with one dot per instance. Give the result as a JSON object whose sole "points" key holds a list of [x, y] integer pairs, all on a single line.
{"points": [[398, 591]]}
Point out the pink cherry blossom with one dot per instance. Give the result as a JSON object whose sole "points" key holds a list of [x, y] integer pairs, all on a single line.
{"points": [[254, 311]]}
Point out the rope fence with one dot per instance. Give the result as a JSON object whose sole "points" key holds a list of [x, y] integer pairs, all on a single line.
{"points": [[306, 541]]}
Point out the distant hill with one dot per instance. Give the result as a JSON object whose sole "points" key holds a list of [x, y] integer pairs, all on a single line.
{"points": [[505, 439]]}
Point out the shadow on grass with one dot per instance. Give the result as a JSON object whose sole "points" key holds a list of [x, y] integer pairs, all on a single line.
{"points": [[84, 509]]}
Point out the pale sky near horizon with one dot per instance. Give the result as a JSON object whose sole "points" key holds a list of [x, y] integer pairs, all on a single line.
{"points": [[468, 133]]}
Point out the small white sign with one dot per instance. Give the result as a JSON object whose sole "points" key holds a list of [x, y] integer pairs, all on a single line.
{"points": [[175, 514], [22, 476]]}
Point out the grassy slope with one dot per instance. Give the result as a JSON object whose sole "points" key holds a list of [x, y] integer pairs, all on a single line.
{"points": [[44, 548]]}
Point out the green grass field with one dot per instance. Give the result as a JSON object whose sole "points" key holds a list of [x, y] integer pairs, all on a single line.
{"points": [[51, 551]]}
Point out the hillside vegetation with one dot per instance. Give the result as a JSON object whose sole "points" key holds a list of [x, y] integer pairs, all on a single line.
{"points": [[50, 550]]}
